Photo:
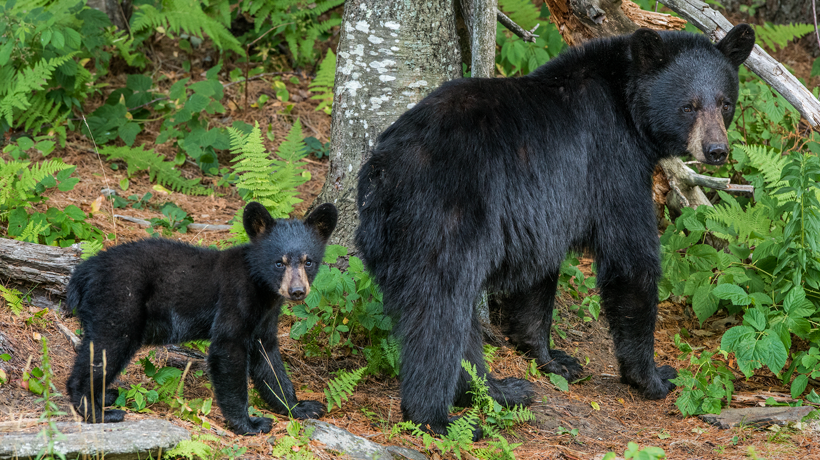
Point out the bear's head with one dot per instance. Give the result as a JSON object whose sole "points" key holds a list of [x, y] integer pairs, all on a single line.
{"points": [[285, 254], [684, 89]]}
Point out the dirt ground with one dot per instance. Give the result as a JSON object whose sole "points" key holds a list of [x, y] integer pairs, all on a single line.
{"points": [[606, 413]]}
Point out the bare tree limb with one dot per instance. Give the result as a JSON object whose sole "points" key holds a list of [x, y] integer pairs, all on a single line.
{"points": [[526, 35], [772, 72]]}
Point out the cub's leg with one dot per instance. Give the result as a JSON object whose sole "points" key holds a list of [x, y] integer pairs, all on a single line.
{"points": [[269, 377]]}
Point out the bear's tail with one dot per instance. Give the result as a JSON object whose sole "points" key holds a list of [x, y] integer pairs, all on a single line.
{"points": [[77, 285], [371, 236]]}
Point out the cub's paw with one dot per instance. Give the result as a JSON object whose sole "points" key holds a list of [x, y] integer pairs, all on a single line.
{"points": [[111, 396], [114, 415], [512, 391], [561, 364], [252, 426], [308, 409]]}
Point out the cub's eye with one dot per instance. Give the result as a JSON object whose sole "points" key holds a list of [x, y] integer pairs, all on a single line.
{"points": [[688, 108], [308, 263], [727, 106], [279, 264]]}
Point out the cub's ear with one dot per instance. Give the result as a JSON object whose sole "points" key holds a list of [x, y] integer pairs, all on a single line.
{"points": [[737, 45], [323, 219], [648, 51], [257, 220]]}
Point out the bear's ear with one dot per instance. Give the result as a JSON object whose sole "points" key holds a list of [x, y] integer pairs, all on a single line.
{"points": [[737, 45], [648, 51], [323, 219], [257, 220]]}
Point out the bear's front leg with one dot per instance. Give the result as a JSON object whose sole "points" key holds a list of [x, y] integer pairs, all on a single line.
{"points": [[630, 301], [228, 366], [271, 381]]}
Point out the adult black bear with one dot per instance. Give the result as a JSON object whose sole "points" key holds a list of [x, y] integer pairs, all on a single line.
{"points": [[487, 183], [157, 291]]}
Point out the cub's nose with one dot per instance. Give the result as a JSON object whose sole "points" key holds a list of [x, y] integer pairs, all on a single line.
{"points": [[716, 154], [297, 293]]}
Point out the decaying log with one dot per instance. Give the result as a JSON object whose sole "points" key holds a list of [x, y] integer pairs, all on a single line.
{"points": [[581, 20], [47, 266]]}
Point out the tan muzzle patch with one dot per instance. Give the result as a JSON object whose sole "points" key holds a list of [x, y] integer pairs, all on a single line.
{"points": [[294, 280], [708, 129]]}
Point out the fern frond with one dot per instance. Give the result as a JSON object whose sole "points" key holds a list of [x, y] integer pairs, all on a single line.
{"points": [[33, 230], [26, 81], [522, 12], [769, 162], [776, 36], [90, 248], [185, 16], [324, 81], [13, 299], [342, 387], [744, 225], [159, 170]]}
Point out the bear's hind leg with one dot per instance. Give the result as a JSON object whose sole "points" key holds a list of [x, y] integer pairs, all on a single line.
{"points": [[509, 392], [528, 318], [117, 355]]}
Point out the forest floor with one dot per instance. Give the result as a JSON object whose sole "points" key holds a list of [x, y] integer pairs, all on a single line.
{"points": [[606, 413]]}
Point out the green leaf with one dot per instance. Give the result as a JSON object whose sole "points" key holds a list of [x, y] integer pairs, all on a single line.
{"points": [[128, 132], [772, 352], [711, 405], [755, 318], [688, 402], [703, 303], [559, 381], [74, 212], [5, 52], [58, 40], [733, 293], [799, 385]]}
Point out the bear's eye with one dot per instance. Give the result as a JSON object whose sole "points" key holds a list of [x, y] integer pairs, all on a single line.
{"points": [[688, 108], [727, 106], [308, 263], [279, 264]]}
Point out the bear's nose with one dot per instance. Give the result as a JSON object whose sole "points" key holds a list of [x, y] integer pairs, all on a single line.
{"points": [[716, 153], [297, 293]]}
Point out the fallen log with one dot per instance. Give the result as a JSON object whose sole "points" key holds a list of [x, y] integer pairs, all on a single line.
{"points": [[49, 267]]}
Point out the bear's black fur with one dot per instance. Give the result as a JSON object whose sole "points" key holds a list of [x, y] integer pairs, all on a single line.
{"points": [[488, 183], [156, 291]]}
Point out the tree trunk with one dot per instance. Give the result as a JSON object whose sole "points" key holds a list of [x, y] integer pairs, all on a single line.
{"points": [[774, 11], [390, 56]]}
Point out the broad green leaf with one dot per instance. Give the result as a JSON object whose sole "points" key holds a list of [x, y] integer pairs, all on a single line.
{"points": [[559, 381], [732, 292], [799, 385], [703, 303]]}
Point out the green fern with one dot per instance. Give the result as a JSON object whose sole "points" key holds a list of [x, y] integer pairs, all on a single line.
{"points": [[90, 248], [727, 219], [523, 12], [19, 178], [776, 36], [13, 299], [179, 16], [299, 22], [342, 387], [196, 447], [768, 161], [16, 87], [323, 83], [158, 169]]}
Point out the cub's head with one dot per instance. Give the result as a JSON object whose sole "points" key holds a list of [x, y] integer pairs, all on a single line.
{"points": [[685, 89], [286, 254]]}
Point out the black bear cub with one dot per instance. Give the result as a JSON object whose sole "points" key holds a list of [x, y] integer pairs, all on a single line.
{"points": [[155, 291], [488, 183]]}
